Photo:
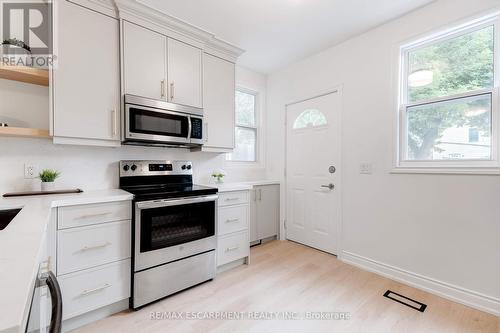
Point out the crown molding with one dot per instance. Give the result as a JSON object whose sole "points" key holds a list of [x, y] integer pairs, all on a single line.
{"points": [[141, 14]]}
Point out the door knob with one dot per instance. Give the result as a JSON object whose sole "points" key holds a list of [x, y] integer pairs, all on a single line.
{"points": [[329, 186]]}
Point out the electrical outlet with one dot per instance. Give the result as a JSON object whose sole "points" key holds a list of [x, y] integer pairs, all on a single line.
{"points": [[30, 171], [366, 168]]}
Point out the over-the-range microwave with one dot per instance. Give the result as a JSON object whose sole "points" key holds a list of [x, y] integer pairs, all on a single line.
{"points": [[159, 123]]}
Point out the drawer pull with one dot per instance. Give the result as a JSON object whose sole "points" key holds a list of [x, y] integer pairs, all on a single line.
{"points": [[231, 199], [91, 291], [232, 220], [93, 215], [86, 248], [229, 249]]}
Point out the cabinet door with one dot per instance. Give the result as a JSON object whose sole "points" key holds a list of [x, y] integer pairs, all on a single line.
{"points": [[144, 62], [218, 99], [87, 76], [184, 74], [253, 217], [267, 210]]}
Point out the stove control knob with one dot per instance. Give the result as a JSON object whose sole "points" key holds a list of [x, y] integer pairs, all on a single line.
{"points": [[133, 167], [183, 167], [189, 167], [126, 167]]}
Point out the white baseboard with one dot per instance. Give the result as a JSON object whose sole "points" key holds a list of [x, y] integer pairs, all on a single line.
{"points": [[454, 293]]}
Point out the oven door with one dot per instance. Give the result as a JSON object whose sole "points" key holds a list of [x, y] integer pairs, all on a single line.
{"points": [[169, 230], [155, 125]]}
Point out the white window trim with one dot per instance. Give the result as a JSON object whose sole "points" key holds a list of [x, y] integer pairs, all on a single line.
{"points": [[258, 133], [402, 165]]}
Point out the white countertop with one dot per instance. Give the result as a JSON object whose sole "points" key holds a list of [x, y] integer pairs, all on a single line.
{"points": [[242, 186], [21, 248]]}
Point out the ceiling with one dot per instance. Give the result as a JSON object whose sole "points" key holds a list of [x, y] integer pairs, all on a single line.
{"points": [[275, 33]]}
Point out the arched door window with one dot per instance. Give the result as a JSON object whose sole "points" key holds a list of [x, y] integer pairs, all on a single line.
{"points": [[308, 118]]}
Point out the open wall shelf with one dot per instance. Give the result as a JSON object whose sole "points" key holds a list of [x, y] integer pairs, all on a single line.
{"points": [[25, 74], [24, 132]]}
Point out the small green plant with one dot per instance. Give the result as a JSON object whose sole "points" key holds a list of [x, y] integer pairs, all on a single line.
{"points": [[18, 43], [218, 175], [48, 175]]}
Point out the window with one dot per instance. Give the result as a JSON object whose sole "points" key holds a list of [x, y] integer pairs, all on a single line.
{"points": [[245, 149], [448, 99], [309, 118]]}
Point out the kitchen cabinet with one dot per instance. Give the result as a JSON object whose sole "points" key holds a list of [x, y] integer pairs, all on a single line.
{"points": [[218, 99], [184, 74], [265, 210], [158, 67], [144, 62], [86, 104], [232, 228]]}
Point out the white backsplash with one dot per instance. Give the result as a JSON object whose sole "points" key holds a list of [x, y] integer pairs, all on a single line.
{"points": [[92, 168]]}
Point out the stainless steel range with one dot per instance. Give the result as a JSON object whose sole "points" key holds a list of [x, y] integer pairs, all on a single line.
{"points": [[174, 228]]}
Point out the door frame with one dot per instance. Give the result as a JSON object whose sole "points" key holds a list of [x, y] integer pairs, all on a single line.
{"points": [[335, 90]]}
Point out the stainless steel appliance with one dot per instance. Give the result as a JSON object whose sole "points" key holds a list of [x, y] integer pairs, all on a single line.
{"points": [[174, 229], [159, 123]]}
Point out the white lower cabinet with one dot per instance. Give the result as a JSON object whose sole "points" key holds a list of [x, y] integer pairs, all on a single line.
{"points": [[90, 289], [86, 247], [93, 255], [265, 212], [232, 227]]}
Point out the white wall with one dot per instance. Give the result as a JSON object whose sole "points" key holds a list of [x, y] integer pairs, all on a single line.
{"points": [[443, 227], [96, 167]]}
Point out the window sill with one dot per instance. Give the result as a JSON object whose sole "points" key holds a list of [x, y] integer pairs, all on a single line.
{"points": [[447, 170]]}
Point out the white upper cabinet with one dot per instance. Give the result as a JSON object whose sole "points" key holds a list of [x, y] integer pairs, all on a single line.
{"points": [[218, 100], [144, 62], [184, 74], [87, 78]]}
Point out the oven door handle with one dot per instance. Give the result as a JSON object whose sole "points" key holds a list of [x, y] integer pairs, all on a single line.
{"points": [[175, 202]]}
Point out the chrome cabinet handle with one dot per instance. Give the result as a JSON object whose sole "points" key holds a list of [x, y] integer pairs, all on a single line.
{"points": [[329, 186], [231, 199], [232, 220], [113, 119], [162, 88], [86, 248], [228, 249], [91, 291], [260, 194], [93, 215], [171, 90]]}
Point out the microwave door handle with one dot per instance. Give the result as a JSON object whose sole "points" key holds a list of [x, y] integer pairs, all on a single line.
{"points": [[190, 127], [56, 300]]}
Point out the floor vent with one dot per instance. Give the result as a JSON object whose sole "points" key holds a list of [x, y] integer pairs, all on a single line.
{"points": [[416, 305]]}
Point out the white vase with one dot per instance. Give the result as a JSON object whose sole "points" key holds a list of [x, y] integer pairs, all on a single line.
{"points": [[48, 186], [17, 55]]}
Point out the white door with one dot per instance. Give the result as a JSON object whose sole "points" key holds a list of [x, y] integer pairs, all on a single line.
{"points": [[87, 78], [144, 62], [312, 176], [184, 74], [218, 102]]}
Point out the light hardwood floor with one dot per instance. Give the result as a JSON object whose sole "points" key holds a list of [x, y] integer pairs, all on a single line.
{"points": [[288, 277]]}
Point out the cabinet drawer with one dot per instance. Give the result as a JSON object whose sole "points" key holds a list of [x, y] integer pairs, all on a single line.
{"points": [[81, 215], [232, 219], [232, 247], [85, 247], [94, 288], [233, 198]]}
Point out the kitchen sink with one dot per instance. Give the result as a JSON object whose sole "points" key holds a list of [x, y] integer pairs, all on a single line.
{"points": [[6, 216]]}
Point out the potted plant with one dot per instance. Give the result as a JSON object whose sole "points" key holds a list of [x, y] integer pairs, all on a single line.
{"points": [[218, 175], [18, 50], [48, 177]]}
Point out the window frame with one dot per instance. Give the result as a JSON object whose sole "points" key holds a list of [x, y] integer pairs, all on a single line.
{"points": [[402, 163], [255, 128]]}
